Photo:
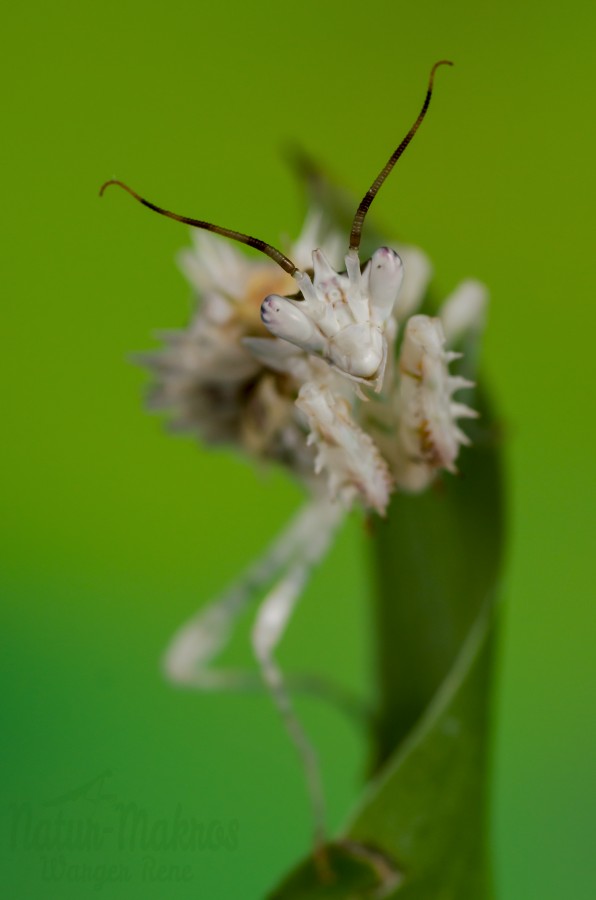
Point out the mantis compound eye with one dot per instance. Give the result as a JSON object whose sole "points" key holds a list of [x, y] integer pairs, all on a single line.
{"points": [[385, 278], [286, 320]]}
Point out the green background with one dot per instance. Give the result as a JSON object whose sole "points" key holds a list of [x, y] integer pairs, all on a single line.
{"points": [[113, 532]]}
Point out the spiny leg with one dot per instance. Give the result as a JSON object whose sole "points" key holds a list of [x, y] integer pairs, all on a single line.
{"points": [[197, 643], [270, 624]]}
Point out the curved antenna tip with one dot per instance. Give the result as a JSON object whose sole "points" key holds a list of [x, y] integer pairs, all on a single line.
{"points": [[356, 232], [104, 186], [121, 184], [441, 62]]}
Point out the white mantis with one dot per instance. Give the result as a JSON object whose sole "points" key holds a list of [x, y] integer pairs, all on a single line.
{"points": [[334, 340]]}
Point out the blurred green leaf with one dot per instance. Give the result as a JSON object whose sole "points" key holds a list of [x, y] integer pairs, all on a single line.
{"points": [[346, 871], [420, 828], [437, 560]]}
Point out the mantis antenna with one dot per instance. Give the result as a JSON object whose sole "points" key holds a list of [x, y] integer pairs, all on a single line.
{"points": [[370, 195], [276, 255]]}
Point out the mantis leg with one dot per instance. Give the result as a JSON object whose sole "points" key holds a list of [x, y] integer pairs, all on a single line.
{"points": [[270, 624]]}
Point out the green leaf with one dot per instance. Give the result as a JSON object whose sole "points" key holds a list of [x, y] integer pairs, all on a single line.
{"points": [[346, 870], [437, 559], [423, 814], [420, 828]]}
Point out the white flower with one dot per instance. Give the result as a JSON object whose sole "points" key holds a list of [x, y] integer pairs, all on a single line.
{"points": [[297, 398], [210, 378]]}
